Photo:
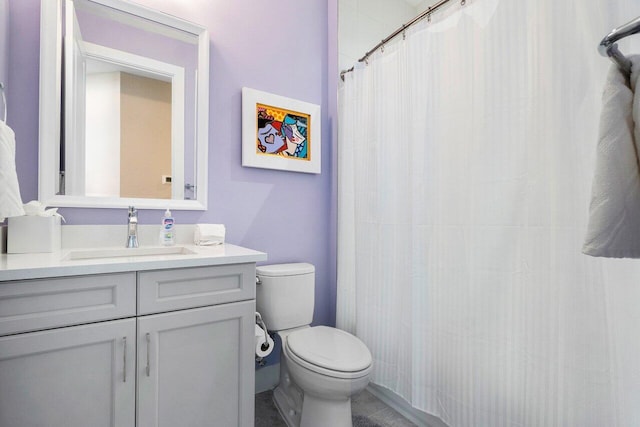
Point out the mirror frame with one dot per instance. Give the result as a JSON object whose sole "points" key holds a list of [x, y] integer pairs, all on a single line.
{"points": [[50, 106]]}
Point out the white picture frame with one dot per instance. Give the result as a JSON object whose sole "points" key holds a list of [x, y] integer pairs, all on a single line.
{"points": [[280, 133]]}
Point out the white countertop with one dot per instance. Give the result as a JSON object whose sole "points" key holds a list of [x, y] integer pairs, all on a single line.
{"points": [[34, 266]]}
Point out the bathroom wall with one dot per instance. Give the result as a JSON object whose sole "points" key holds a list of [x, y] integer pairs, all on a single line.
{"points": [[279, 47]]}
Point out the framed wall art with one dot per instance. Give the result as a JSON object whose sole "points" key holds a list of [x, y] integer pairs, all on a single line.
{"points": [[280, 133]]}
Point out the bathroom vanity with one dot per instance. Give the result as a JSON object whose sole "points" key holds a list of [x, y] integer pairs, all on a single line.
{"points": [[106, 339]]}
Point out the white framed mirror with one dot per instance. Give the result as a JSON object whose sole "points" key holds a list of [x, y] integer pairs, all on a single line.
{"points": [[124, 107]]}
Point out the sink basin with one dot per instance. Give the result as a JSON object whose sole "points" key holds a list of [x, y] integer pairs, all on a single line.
{"points": [[127, 252]]}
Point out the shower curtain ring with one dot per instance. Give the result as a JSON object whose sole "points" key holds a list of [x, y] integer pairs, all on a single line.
{"points": [[463, 2], [404, 32], [382, 47]]}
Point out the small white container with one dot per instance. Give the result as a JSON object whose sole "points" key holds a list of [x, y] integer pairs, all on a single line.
{"points": [[167, 236], [33, 234]]}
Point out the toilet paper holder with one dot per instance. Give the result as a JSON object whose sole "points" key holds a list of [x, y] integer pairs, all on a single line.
{"points": [[260, 322]]}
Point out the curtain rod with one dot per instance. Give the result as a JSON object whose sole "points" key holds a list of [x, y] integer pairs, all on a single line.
{"points": [[608, 46], [401, 30]]}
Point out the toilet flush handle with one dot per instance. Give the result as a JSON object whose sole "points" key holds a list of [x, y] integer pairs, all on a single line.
{"points": [[258, 282]]}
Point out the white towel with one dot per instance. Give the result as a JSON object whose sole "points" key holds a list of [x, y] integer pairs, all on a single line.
{"points": [[10, 200], [209, 234], [614, 213]]}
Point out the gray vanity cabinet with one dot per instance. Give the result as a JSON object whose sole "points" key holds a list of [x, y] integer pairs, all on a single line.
{"points": [[76, 376], [192, 367], [176, 351]]}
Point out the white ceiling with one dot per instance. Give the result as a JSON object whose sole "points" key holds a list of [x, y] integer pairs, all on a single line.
{"points": [[420, 5]]}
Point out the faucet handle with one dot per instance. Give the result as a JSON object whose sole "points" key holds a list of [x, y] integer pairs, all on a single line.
{"points": [[132, 235]]}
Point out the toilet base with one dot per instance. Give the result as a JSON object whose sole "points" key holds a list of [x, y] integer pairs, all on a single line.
{"points": [[314, 412], [288, 397], [286, 408], [317, 412]]}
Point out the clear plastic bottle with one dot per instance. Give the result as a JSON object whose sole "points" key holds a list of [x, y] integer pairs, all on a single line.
{"points": [[167, 234]]}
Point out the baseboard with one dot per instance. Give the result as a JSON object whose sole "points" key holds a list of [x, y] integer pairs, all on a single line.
{"points": [[267, 377], [416, 416]]}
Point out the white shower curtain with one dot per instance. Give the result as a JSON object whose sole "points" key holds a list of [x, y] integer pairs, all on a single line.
{"points": [[466, 155]]}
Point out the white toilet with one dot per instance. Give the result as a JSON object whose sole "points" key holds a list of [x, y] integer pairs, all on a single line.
{"points": [[320, 367]]}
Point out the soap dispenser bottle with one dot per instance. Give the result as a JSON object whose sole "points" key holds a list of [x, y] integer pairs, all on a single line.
{"points": [[167, 237]]}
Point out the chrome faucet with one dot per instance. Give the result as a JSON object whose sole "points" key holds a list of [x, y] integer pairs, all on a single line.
{"points": [[132, 235]]}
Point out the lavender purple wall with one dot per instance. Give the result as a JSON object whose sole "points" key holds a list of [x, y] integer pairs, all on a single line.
{"points": [[286, 47]]}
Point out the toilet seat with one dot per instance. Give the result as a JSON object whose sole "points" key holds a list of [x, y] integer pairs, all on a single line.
{"points": [[329, 351]]}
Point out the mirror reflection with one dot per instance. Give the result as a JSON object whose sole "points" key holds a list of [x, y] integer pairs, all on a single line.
{"points": [[124, 75], [133, 106], [128, 129]]}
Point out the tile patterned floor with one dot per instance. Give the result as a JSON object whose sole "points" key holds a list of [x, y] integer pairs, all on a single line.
{"points": [[367, 411]]}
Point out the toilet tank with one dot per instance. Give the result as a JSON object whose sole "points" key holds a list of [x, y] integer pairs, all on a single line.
{"points": [[285, 295]]}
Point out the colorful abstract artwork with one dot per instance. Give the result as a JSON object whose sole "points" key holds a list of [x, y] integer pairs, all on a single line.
{"points": [[280, 133]]}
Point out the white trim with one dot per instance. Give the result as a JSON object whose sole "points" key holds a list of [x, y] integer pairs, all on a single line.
{"points": [[202, 118], [416, 416], [122, 202], [174, 27], [50, 100], [50, 86], [102, 129], [75, 111]]}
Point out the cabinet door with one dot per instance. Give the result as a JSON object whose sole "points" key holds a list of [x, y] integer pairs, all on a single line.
{"points": [[75, 376], [196, 367]]}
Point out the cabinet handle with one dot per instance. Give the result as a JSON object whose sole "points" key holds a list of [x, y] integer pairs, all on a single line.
{"points": [[124, 360], [148, 337]]}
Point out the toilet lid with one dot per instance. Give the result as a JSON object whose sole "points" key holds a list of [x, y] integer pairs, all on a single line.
{"points": [[330, 348], [278, 270]]}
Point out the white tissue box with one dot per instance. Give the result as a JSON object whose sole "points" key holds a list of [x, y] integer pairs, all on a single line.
{"points": [[29, 234]]}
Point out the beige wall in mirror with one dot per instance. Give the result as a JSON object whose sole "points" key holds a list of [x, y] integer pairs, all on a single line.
{"points": [[145, 144]]}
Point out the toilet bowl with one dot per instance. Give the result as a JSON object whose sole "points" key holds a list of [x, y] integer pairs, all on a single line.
{"points": [[320, 367]]}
